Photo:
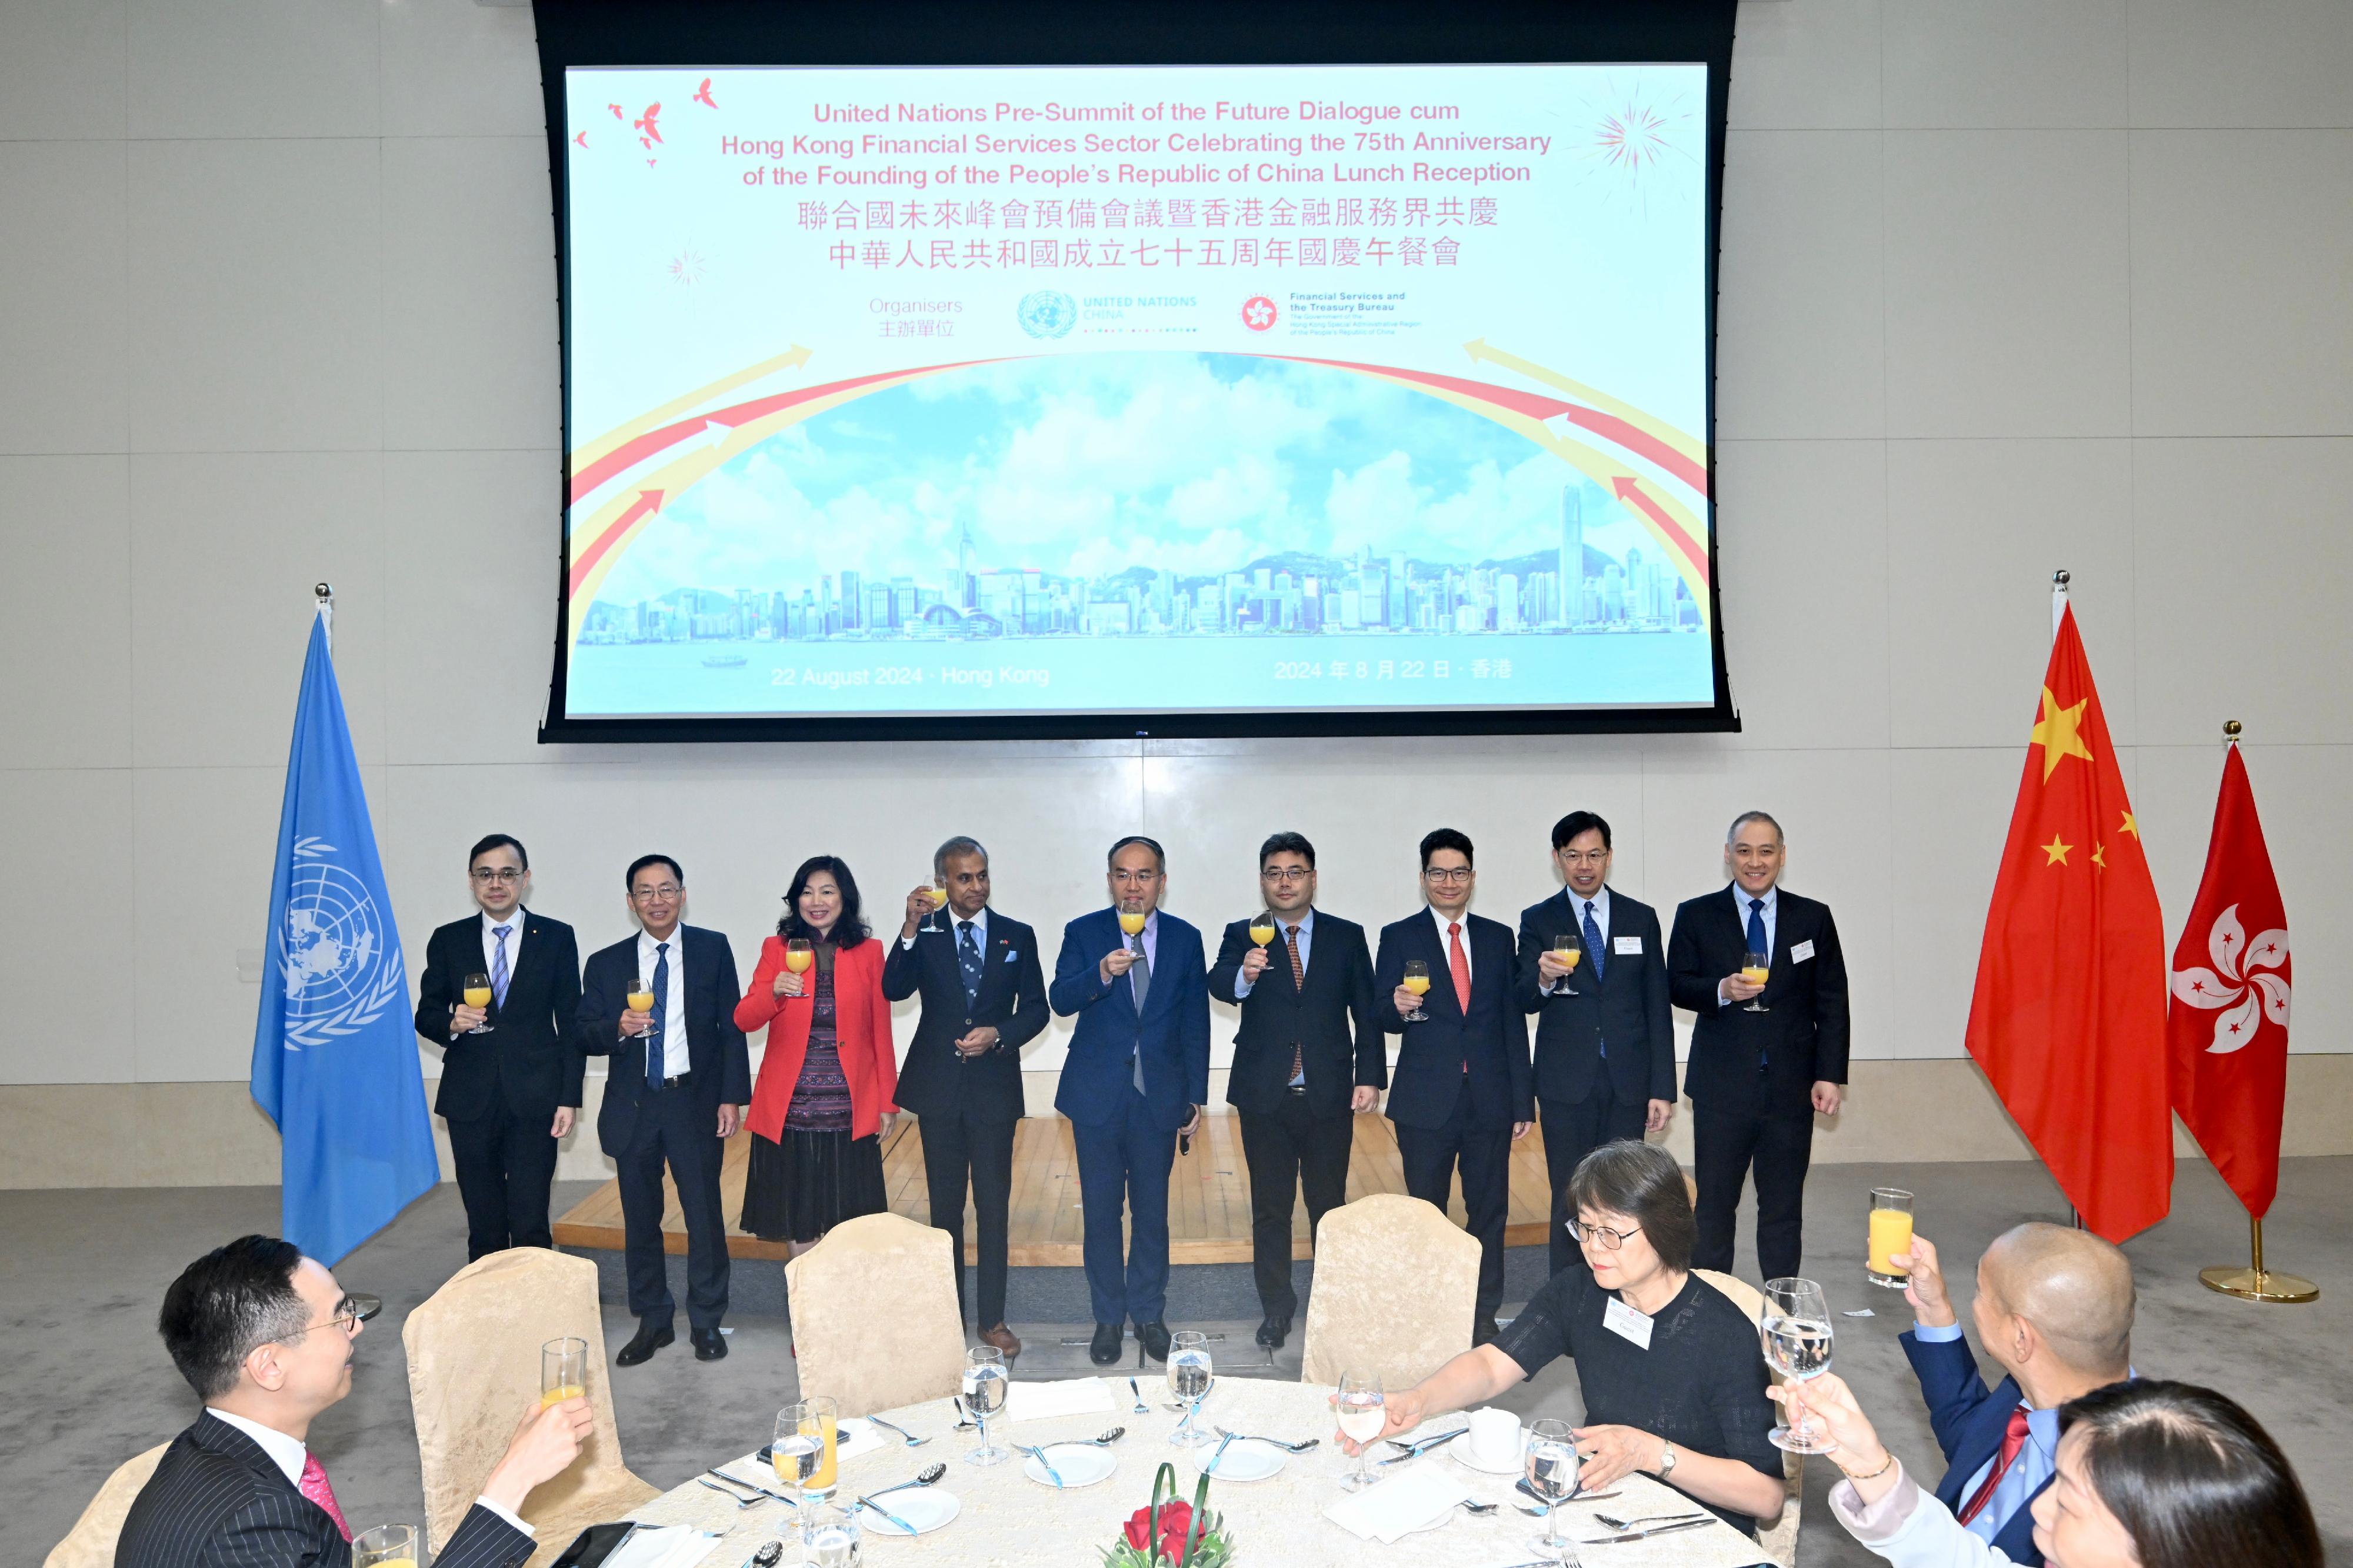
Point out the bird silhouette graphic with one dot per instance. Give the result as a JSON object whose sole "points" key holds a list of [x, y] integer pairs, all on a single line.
{"points": [[581, 140], [617, 112], [649, 162], [702, 95], [649, 124]]}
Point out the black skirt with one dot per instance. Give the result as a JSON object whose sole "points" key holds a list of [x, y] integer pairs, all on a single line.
{"points": [[799, 1189]]}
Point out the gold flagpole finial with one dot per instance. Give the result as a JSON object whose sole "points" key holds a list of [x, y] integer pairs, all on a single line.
{"points": [[2230, 730]]}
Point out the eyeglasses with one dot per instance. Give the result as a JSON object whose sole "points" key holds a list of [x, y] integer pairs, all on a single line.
{"points": [[1287, 874], [1583, 857], [667, 891], [1601, 1236], [355, 1309], [1448, 874], [506, 874]]}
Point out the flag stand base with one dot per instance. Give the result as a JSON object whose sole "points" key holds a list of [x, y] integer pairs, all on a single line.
{"points": [[2257, 1283]]}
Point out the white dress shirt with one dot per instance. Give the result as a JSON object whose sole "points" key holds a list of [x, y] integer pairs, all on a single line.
{"points": [[1444, 941], [292, 1455], [514, 922], [1601, 902], [1771, 913], [675, 1059]]}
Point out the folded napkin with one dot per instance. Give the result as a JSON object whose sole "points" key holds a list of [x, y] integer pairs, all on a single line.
{"points": [[1071, 1396], [1412, 1500], [662, 1546], [863, 1437]]}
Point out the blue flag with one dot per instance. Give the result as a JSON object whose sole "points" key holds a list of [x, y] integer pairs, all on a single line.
{"points": [[334, 1051]]}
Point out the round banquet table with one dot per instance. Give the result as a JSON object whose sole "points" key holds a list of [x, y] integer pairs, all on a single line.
{"points": [[1006, 1520]]}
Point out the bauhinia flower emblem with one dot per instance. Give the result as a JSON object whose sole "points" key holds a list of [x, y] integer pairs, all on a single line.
{"points": [[2248, 983]]}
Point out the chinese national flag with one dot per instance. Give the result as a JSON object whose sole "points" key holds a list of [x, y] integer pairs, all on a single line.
{"points": [[2068, 1020], [2226, 1034]]}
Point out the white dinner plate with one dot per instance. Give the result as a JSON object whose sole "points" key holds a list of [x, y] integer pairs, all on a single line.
{"points": [[1245, 1460], [1460, 1452], [925, 1508], [1079, 1464]]}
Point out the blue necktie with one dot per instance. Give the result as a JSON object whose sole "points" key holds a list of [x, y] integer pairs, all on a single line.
{"points": [[968, 961], [1593, 943], [1757, 943], [499, 964], [657, 1044]]}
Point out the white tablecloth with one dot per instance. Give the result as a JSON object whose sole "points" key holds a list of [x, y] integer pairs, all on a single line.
{"points": [[1007, 1519]]}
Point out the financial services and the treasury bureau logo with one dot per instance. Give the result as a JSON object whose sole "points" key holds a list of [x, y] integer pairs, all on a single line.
{"points": [[1048, 314], [332, 955]]}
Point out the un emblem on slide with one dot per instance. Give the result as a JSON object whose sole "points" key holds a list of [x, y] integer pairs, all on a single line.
{"points": [[331, 952], [1048, 314]]}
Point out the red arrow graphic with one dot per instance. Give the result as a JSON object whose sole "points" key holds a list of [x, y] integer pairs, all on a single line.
{"points": [[647, 503], [1629, 488]]}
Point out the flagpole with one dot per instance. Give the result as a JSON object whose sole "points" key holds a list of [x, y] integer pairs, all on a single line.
{"points": [[2255, 1283], [325, 594], [2058, 580]]}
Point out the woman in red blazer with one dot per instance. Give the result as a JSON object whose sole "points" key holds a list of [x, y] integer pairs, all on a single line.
{"points": [[827, 1083]]}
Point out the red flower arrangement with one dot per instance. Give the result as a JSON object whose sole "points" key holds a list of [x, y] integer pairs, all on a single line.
{"points": [[1173, 1533]]}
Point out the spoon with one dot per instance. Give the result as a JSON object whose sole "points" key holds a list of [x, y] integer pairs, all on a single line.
{"points": [[923, 1478], [1289, 1447], [908, 1437], [766, 1556], [1616, 1523], [1471, 1505]]}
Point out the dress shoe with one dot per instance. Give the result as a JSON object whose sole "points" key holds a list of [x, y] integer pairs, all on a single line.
{"points": [[1274, 1331], [1154, 1337], [709, 1345], [1004, 1339], [1103, 1349], [1482, 1330], [644, 1343]]}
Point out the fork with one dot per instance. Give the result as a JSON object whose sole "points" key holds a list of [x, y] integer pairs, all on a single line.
{"points": [[1472, 1505], [731, 1497], [1289, 1447], [1140, 1408], [733, 1479], [1614, 1522], [908, 1437]]}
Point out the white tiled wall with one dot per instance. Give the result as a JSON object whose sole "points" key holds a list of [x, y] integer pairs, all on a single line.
{"points": [[2006, 287]]}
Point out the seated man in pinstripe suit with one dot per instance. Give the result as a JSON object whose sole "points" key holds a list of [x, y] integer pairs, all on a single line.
{"points": [[264, 1335]]}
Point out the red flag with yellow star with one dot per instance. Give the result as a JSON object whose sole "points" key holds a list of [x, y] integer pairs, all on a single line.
{"points": [[2068, 1020]]}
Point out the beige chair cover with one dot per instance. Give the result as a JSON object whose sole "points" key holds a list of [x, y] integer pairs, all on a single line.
{"points": [[473, 1374], [90, 1543], [1396, 1285], [875, 1323], [1778, 1540]]}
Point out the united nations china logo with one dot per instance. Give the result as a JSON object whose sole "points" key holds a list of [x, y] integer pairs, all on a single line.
{"points": [[1048, 314], [331, 952]]}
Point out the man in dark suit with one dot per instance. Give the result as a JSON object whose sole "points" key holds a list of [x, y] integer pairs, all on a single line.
{"points": [[983, 998], [1765, 1059], [1134, 1081], [509, 1092], [265, 1336], [1605, 1033], [1461, 1093], [2055, 1310], [1299, 1075], [675, 1091]]}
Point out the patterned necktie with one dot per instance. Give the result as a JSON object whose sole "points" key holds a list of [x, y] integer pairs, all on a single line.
{"points": [[314, 1486], [1593, 942], [1458, 961], [656, 1042], [2013, 1438], [968, 961], [1298, 982], [1139, 980], [499, 964], [1756, 927]]}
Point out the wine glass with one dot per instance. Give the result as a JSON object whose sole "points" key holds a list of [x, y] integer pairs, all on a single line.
{"points": [[1549, 1459], [1359, 1401], [1796, 1330], [938, 893], [1261, 927], [1756, 968], [801, 954], [477, 991], [1417, 980], [641, 1000], [1189, 1377], [797, 1453], [985, 1385], [1569, 947]]}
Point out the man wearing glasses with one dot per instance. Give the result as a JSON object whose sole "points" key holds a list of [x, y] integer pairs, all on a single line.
{"points": [[675, 1090], [511, 1071], [266, 1337], [1299, 1073], [1462, 1094]]}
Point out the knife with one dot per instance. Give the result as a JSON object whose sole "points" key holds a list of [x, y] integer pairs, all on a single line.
{"points": [[1416, 1451], [1646, 1534], [1051, 1473], [1220, 1454], [886, 1514]]}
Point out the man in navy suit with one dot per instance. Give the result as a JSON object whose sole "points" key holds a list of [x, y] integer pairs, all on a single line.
{"points": [[1136, 1076], [265, 1336], [675, 1091], [1461, 1092], [983, 998], [1765, 1059], [2054, 1310], [509, 1093], [1605, 1033]]}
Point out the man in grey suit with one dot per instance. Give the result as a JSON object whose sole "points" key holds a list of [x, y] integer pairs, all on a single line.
{"points": [[265, 1336]]}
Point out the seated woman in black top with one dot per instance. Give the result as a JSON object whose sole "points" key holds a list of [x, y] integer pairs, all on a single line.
{"points": [[1672, 1375]]}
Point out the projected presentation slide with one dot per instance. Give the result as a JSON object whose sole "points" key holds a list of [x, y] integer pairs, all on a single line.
{"points": [[1137, 390]]}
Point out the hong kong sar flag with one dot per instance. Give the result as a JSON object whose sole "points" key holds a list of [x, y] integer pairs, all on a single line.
{"points": [[2226, 1030]]}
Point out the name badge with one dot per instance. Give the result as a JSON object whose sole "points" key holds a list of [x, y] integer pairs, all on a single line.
{"points": [[1802, 952], [1627, 1323], [1626, 944]]}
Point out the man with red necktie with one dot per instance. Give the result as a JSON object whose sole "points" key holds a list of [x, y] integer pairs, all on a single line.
{"points": [[265, 1337], [1464, 1089]]}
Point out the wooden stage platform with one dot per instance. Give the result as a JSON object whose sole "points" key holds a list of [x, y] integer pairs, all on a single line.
{"points": [[1209, 1195]]}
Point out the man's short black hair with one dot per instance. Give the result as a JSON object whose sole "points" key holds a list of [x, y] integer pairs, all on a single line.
{"points": [[1287, 844], [1578, 822], [228, 1303], [1452, 838], [630, 882], [500, 841], [1159, 855]]}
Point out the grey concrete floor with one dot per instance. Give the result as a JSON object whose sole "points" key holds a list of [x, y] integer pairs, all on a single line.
{"points": [[88, 1384]]}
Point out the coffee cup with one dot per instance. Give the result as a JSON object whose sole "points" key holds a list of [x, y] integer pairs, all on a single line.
{"points": [[1495, 1439]]}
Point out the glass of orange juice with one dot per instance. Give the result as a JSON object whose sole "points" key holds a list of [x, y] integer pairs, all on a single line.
{"points": [[385, 1546], [1261, 927], [641, 1000], [1132, 923], [563, 1370], [477, 992], [1891, 1236], [1417, 980], [819, 1417]]}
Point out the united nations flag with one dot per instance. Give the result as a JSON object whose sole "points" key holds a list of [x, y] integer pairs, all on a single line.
{"points": [[334, 1053]]}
